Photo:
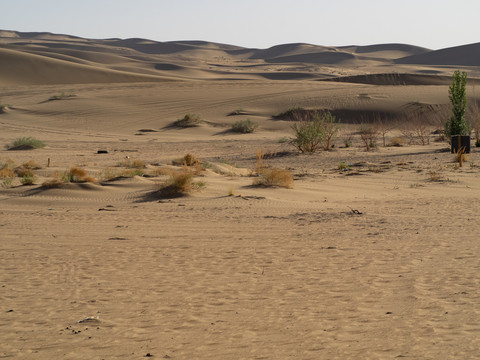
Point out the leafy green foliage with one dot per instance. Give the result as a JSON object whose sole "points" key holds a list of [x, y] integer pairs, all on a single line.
{"points": [[314, 131], [457, 125]]}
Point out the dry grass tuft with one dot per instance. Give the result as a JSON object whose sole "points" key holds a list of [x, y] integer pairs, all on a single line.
{"points": [[53, 183], [31, 164], [461, 156], [180, 183], [187, 160], [77, 175], [274, 177]]}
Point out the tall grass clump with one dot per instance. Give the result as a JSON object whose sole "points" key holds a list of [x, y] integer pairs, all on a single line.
{"points": [[244, 126], [25, 143]]}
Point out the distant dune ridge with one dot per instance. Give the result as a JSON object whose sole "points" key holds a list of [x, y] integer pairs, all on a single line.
{"points": [[45, 58]]}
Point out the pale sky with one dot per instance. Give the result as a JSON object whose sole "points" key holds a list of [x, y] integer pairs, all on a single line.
{"points": [[433, 24]]}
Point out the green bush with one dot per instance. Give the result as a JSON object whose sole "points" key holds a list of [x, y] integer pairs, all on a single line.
{"points": [[308, 135], [28, 179], [314, 131], [26, 143], [244, 126], [457, 125]]}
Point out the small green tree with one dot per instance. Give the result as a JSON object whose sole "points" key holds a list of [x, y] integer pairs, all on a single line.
{"points": [[457, 125], [309, 134], [314, 130]]}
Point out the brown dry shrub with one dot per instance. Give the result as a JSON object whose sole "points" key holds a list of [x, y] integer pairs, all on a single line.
{"points": [[31, 164], [274, 177], [53, 183], [397, 141], [23, 171], [180, 183], [187, 160], [7, 172], [77, 175]]}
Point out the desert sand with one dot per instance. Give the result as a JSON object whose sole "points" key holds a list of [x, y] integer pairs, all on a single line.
{"points": [[375, 259]]}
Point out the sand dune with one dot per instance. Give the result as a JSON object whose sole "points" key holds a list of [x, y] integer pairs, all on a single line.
{"points": [[395, 79], [20, 68], [466, 55], [205, 60], [369, 255]]}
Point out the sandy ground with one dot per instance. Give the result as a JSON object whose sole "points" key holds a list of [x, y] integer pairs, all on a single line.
{"points": [[378, 261]]}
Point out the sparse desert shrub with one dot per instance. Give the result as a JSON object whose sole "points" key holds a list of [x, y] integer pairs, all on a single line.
{"points": [[274, 177], [461, 156], [435, 176], [76, 175], [31, 164], [383, 128], [22, 171], [28, 179], [132, 172], [343, 166], [62, 96], [132, 164], [189, 120], [474, 114], [244, 126], [7, 172], [397, 141], [259, 164], [25, 143], [369, 135], [308, 135], [416, 128], [293, 114], [238, 111], [3, 108], [283, 140], [179, 183], [187, 160], [53, 183], [348, 141], [330, 129]]}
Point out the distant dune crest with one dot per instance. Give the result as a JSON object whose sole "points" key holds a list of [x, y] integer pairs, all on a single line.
{"points": [[46, 58]]}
